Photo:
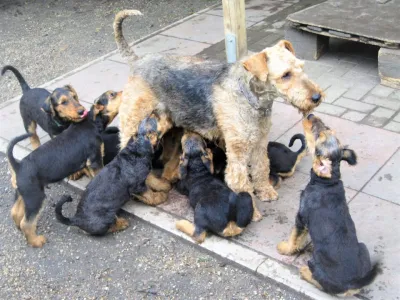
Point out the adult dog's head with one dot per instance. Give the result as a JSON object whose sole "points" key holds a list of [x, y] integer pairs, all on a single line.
{"points": [[278, 68]]}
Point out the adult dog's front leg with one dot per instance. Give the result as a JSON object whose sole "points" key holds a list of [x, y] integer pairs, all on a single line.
{"points": [[236, 173], [260, 172]]}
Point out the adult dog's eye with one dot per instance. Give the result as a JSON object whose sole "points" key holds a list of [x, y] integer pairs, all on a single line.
{"points": [[286, 75]]}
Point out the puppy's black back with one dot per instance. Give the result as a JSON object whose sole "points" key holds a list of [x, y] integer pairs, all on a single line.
{"points": [[58, 158]]}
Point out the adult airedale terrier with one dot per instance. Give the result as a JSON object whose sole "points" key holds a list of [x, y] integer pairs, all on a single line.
{"points": [[218, 100]]}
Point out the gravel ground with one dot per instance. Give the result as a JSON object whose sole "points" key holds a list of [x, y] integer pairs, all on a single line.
{"points": [[45, 39], [139, 263]]}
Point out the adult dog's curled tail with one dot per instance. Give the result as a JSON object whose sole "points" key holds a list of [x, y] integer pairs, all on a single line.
{"points": [[122, 44], [11, 159], [300, 137], [59, 215]]}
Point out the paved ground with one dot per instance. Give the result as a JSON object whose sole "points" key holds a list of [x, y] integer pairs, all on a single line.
{"points": [[364, 114], [47, 39], [141, 262]]}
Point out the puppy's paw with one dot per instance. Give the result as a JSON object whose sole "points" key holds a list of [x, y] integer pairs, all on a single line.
{"points": [[304, 272], [283, 248], [268, 195], [257, 216], [120, 224], [37, 242]]}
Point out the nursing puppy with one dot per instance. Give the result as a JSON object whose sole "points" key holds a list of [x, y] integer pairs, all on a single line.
{"points": [[216, 207], [123, 178]]}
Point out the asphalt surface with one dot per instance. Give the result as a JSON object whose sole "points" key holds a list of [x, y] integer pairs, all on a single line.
{"points": [[139, 263], [45, 39]]}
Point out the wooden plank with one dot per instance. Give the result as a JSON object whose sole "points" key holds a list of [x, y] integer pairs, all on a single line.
{"points": [[235, 29]]}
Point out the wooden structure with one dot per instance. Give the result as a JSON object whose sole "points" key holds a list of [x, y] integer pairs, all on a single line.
{"points": [[235, 29]]}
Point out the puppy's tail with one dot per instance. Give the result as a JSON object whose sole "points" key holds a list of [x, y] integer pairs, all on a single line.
{"points": [[25, 87], [11, 159], [59, 215], [367, 279], [122, 44], [302, 138]]}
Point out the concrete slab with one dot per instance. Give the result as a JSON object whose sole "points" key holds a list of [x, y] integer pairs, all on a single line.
{"points": [[283, 117], [12, 125], [258, 10], [204, 28], [359, 138], [167, 45], [91, 82], [374, 219], [385, 184]]}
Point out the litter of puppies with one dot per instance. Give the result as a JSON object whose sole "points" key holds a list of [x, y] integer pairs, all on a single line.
{"points": [[205, 124]]}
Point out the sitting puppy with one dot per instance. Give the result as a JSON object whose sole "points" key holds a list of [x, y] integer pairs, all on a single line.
{"points": [[80, 146], [339, 264], [216, 207], [283, 161], [122, 178], [53, 112]]}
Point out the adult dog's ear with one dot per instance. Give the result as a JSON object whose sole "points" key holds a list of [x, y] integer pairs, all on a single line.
{"points": [[288, 45], [72, 90], [350, 156], [183, 166], [322, 167], [207, 159], [47, 106], [257, 65]]}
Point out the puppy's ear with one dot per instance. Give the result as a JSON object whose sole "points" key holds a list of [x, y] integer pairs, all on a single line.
{"points": [[322, 167], [287, 45], [72, 90], [47, 107], [349, 156], [183, 166], [257, 65], [207, 159]]}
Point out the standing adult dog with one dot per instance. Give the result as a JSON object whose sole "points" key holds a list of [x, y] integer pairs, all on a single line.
{"points": [[232, 102]]}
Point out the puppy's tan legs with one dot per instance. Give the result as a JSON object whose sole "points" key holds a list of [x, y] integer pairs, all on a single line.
{"points": [[305, 273], [260, 172], [119, 225], [35, 142], [18, 211], [296, 242], [28, 227], [189, 229]]}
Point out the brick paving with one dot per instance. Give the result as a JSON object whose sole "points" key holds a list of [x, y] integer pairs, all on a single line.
{"points": [[365, 115]]}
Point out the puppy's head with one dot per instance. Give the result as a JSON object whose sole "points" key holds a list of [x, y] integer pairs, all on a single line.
{"points": [[325, 147], [108, 105], [194, 146], [154, 127], [64, 103], [279, 68]]}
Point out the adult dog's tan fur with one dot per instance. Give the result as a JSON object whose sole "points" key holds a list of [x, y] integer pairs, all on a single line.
{"points": [[218, 101]]}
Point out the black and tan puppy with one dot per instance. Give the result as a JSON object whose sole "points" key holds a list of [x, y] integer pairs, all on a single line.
{"points": [[53, 112], [216, 207], [124, 177], [78, 147], [282, 160], [339, 263]]}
